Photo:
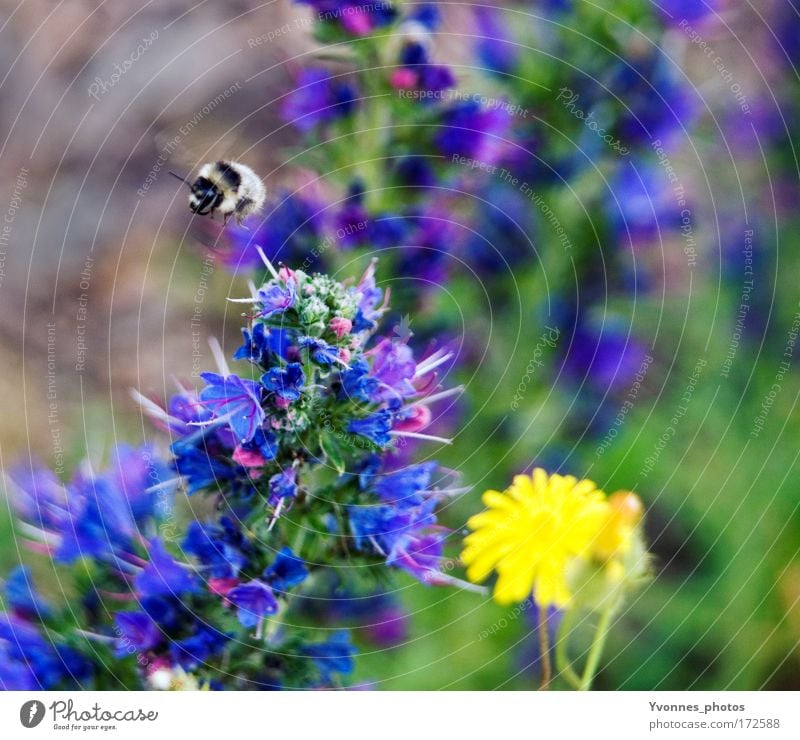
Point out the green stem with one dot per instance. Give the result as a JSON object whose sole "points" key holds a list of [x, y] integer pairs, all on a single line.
{"points": [[563, 664], [597, 647]]}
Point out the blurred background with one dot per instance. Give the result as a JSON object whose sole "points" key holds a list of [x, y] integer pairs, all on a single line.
{"points": [[636, 324]]}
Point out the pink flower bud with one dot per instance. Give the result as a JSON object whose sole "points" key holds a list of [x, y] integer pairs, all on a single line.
{"points": [[340, 326], [403, 79], [248, 458]]}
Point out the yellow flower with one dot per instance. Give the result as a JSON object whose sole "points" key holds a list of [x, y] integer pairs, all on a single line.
{"points": [[532, 533]]}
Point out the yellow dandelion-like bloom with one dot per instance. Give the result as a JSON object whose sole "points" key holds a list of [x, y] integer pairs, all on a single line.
{"points": [[531, 534]]}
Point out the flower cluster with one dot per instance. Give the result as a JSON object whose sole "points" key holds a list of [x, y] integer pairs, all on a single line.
{"points": [[298, 455]]}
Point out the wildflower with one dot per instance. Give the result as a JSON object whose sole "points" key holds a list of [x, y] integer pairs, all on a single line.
{"points": [[220, 547], [235, 400], [286, 571], [335, 655], [162, 576], [254, 600], [262, 345], [22, 597], [375, 427], [137, 629], [285, 382], [530, 535], [282, 486], [289, 230], [320, 351], [318, 97], [277, 298], [469, 130], [495, 46]]}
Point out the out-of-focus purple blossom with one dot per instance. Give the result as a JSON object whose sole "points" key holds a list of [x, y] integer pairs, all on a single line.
{"points": [[393, 366], [254, 600], [605, 356], [100, 522], [335, 655], [236, 400], [22, 597], [656, 102], [38, 497], [495, 44], [143, 478], [469, 130], [676, 12], [221, 548], [163, 576], [290, 228], [317, 98], [136, 629], [641, 204], [33, 661], [282, 486], [286, 571]]}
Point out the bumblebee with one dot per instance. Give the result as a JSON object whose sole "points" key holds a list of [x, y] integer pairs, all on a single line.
{"points": [[231, 188]]}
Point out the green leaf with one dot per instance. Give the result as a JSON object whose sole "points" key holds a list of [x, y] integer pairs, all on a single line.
{"points": [[333, 451]]}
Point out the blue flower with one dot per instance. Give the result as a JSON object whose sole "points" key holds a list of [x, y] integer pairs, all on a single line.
{"points": [[469, 130], [353, 16], [143, 479], [321, 352], [191, 652], [403, 488], [495, 45], [318, 97], [277, 298], [356, 383], [137, 629], [22, 597], [282, 485], [673, 12], [286, 571], [286, 382], [262, 344], [335, 655], [265, 442], [163, 576], [291, 229], [221, 547], [236, 400], [375, 427], [200, 468], [49, 665], [38, 497], [254, 600], [100, 523], [387, 527]]}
